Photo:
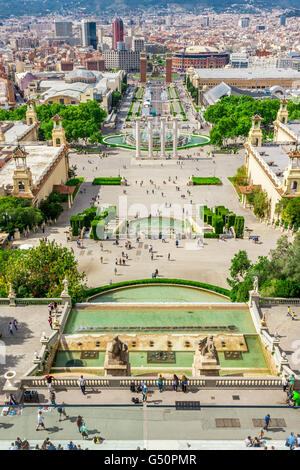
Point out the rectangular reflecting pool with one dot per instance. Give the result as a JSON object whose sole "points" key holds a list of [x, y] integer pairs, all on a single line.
{"points": [[91, 320]]}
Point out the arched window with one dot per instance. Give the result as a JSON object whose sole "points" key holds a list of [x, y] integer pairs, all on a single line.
{"points": [[57, 141], [294, 186], [21, 186]]}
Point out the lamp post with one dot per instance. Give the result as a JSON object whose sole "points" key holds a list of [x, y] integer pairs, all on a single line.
{"points": [[6, 219]]}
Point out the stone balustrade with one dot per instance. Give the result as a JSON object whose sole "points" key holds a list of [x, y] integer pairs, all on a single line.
{"points": [[195, 383]]}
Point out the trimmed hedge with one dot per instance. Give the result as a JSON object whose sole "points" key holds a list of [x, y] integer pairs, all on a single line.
{"points": [[107, 181], [183, 282], [211, 235], [239, 226], [223, 217], [205, 181]]}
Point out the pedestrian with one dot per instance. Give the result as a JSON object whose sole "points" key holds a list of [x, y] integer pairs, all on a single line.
{"points": [[267, 422], [169, 256], [116, 271], [49, 379], [284, 383], [160, 383], [101, 259], [175, 382], [291, 441], [291, 382], [52, 398], [82, 384], [79, 422], [50, 322], [288, 311], [40, 422], [62, 412], [15, 323], [84, 431], [145, 393], [183, 383], [10, 328]]}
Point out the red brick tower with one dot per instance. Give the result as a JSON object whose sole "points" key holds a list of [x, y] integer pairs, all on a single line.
{"points": [[169, 68], [143, 67]]}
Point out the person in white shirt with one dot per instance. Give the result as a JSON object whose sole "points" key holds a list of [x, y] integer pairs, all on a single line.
{"points": [[40, 422]]}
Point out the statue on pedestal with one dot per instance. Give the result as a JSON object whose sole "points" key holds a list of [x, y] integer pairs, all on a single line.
{"points": [[66, 288], [117, 351], [207, 347], [255, 285], [206, 362], [117, 358]]}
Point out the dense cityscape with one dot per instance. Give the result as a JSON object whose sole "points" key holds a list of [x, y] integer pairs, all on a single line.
{"points": [[149, 228]]}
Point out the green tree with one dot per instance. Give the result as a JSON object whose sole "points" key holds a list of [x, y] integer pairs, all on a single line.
{"points": [[40, 271]]}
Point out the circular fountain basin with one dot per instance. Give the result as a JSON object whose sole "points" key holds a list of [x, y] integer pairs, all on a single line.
{"points": [[184, 141]]}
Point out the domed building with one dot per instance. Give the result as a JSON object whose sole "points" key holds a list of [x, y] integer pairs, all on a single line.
{"points": [[200, 57], [80, 74]]}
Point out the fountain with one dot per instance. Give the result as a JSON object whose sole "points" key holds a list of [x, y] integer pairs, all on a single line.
{"points": [[131, 139]]}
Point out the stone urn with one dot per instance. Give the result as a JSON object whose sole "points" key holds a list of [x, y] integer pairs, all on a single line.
{"points": [[9, 376]]}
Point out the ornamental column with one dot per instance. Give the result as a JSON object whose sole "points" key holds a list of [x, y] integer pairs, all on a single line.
{"points": [[162, 137], [175, 137], [138, 137], [150, 137]]}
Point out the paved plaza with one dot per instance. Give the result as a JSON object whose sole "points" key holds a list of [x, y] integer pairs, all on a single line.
{"points": [[20, 347], [153, 427], [209, 264], [288, 331]]}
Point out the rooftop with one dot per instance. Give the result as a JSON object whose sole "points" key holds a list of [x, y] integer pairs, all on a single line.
{"points": [[39, 159], [276, 159], [248, 74], [16, 130]]}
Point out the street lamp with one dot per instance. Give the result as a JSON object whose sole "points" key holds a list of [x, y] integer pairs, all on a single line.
{"points": [[6, 219]]}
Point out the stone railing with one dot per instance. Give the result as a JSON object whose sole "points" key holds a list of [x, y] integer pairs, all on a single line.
{"points": [[195, 383], [277, 300], [271, 342]]}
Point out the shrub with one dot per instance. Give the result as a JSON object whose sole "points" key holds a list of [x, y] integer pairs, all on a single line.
{"points": [[239, 226], [217, 223], [211, 235], [205, 181], [107, 181]]}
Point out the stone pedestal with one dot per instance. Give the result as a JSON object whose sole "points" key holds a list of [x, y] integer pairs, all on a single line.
{"points": [[116, 361], [115, 370], [205, 366]]}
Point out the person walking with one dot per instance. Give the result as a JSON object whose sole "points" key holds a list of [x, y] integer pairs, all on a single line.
{"points": [[169, 256], [82, 384], [160, 383], [50, 321], [84, 432], [40, 422], [62, 412], [145, 393], [49, 379], [175, 383], [267, 422], [79, 422], [10, 328], [15, 323], [52, 398], [284, 383], [183, 383]]}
